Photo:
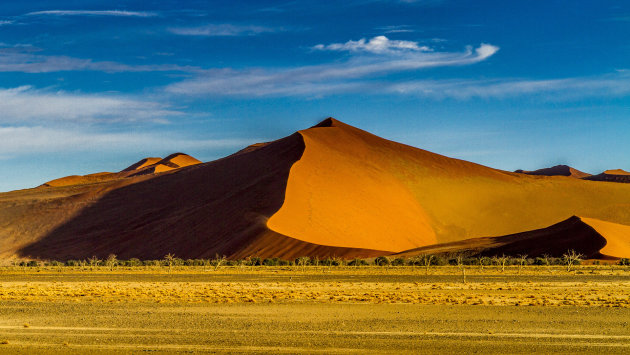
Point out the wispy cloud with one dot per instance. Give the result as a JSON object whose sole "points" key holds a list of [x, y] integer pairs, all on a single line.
{"points": [[26, 104], [5, 22], [327, 78], [612, 85], [120, 13], [28, 59], [219, 30], [396, 29], [378, 44], [23, 140]]}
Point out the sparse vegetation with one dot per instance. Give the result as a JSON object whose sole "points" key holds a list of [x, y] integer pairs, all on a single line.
{"points": [[572, 258]]}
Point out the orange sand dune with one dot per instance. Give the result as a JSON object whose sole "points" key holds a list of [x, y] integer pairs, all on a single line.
{"points": [[616, 172], [340, 194], [171, 162], [617, 175], [349, 181], [332, 189], [219, 207], [81, 179], [590, 237], [558, 170], [617, 237], [143, 163]]}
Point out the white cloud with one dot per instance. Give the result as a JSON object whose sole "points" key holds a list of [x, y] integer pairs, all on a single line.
{"points": [[378, 44], [93, 13], [5, 22], [613, 85], [221, 30], [25, 104], [24, 140], [323, 79], [26, 59]]}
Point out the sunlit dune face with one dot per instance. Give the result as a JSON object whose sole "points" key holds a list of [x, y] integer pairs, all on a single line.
{"points": [[340, 193], [617, 172], [617, 237]]}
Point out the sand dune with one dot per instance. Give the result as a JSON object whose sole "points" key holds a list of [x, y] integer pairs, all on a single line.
{"points": [[558, 170], [590, 237], [616, 175], [142, 163], [329, 190]]}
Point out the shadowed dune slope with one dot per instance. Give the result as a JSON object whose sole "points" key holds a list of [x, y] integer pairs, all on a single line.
{"points": [[591, 237], [199, 211], [617, 175], [558, 170]]}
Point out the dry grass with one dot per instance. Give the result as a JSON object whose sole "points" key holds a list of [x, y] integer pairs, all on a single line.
{"points": [[362, 310]]}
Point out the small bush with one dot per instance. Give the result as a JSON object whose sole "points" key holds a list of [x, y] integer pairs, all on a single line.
{"points": [[358, 262], [133, 262], [624, 262], [271, 262], [382, 261], [72, 263]]}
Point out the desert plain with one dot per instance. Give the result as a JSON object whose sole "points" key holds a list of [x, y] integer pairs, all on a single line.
{"points": [[315, 309]]}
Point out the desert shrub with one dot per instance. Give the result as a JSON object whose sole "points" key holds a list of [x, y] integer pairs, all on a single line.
{"points": [[72, 263], [330, 262], [178, 261], [398, 262], [358, 262], [33, 263], [471, 261], [382, 261], [271, 262], [439, 260], [253, 261], [539, 261], [189, 262], [55, 263], [282, 262], [132, 262], [624, 262], [302, 261]]}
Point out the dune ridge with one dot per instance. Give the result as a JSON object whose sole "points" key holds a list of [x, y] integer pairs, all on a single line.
{"points": [[558, 170], [615, 175], [330, 190], [593, 238]]}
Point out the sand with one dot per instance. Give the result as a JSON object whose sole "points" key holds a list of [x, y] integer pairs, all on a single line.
{"points": [[329, 190]]}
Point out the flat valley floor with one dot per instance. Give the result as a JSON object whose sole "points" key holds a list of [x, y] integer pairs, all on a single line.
{"points": [[315, 310]]}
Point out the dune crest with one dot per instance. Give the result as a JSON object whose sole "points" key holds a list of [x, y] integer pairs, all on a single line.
{"points": [[558, 170], [615, 175], [330, 190]]}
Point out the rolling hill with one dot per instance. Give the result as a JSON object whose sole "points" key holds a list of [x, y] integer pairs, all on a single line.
{"points": [[330, 190]]}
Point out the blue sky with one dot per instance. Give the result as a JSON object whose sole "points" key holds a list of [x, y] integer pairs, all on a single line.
{"points": [[89, 86]]}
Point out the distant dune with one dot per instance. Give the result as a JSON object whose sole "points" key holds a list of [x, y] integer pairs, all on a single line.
{"points": [[617, 175], [590, 237], [330, 190], [558, 170]]}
